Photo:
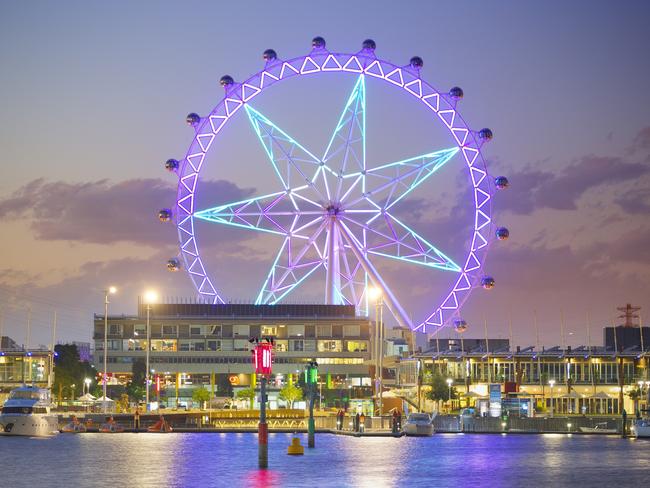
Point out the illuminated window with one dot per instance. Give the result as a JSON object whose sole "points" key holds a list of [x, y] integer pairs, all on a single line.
{"points": [[330, 346], [269, 330], [357, 346]]}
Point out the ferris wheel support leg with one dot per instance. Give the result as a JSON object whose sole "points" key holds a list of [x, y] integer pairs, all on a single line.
{"points": [[333, 281], [388, 297]]}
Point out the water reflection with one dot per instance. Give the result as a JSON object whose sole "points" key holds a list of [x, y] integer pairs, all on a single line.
{"points": [[181, 460]]}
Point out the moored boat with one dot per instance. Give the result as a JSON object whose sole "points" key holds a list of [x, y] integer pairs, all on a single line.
{"points": [[641, 427], [418, 424], [73, 427], [599, 428], [27, 412]]}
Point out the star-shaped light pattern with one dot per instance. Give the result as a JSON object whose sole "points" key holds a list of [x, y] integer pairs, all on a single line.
{"points": [[334, 211]]}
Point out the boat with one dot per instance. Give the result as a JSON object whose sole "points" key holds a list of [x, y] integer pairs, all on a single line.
{"points": [[74, 427], [641, 428], [27, 412], [162, 426], [418, 424], [110, 427], [599, 428]]}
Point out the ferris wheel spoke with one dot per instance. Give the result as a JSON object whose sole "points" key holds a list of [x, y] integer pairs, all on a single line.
{"points": [[277, 213], [293, 264], [389, 183], [346, 150], [292, 163], [389, 237]]}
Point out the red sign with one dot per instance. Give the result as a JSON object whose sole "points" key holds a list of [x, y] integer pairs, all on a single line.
{"points": [[157, 384], [263, 358]]}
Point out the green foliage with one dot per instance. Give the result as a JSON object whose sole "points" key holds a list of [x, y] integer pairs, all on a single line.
{"points": [[247, 393], [136, 387], [439, 388], [69, 371], [201, 395], [290, 393]]}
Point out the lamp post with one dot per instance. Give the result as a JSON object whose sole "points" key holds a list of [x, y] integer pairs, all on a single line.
{"points": [[109, 291], [87, 383], [449, 383], [263, 362], [377, 295], [149, 298], [551, 384], [311, 375]]}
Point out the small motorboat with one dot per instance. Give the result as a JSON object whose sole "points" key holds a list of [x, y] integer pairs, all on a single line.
{"points": [[599, 428], [110, 427], [641, 428], [162, 426], [418, 424], [73, 427], [27, 412]]}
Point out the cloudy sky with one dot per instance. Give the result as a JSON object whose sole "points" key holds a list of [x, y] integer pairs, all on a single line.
{"points": [[94, 97]]}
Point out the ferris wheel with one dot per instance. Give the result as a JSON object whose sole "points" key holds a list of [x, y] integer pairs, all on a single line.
{"points": [[335, 209]]}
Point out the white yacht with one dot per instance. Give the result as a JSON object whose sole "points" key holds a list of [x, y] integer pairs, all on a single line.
{"points": [[419, 424], [27, 412]]}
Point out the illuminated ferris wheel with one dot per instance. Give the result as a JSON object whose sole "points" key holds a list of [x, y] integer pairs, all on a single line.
{"points": [[335, 208]]}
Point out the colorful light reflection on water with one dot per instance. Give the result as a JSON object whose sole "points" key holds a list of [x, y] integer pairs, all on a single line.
{"points": [[186, 460]]}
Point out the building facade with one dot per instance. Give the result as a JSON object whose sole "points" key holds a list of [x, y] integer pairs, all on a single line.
{"points": [[192, 343]]}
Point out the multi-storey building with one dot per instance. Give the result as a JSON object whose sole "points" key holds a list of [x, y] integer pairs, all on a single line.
{"points": [[191, 343]]}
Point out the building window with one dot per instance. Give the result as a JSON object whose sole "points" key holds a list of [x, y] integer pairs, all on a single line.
{"points": [[296, 330], [140, 330], [170, 330], [297, 345], [269, 330], [241, 345], [215, 330], [357, 346], [164, 345], [196, 330], [330, 346], [281, 345], [115, 329], [324, 330], [214, 345], [352, 330]]}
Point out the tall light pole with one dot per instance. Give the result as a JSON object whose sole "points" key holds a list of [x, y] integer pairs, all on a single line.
{"points": [[377, 295], [109, 291], [149, 298], [551, 384], [449, 383]]}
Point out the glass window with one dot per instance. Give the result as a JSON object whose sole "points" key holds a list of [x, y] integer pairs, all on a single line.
{"points": [[330, 346], [214, 345], [241, 344], [140, 330], [241, 330], [215, 330], [199, 345], [196, 330], [184, 345], [171, 330], [351, 330], [269, 330], [296, 330], [357, 346], [281, 345], [114, 345], [297, 345], [115, 329], [164, 345], [324, 330]]}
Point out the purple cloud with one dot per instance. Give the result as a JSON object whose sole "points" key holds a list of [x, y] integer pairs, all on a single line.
{"points": [[104, 212]]}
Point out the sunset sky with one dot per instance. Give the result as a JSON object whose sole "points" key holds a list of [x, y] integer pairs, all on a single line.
{"points": [[94, 97]]}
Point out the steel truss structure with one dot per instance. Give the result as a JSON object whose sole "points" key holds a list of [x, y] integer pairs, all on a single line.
{"points": [[334, 210]]}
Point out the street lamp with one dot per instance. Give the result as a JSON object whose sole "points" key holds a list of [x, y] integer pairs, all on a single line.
{"points": [[552, 384], [149, 298], [449, 383], [376, 295], [111, 290]]}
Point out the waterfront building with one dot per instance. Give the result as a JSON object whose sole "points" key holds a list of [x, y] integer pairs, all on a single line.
{"points": [[194, 344], [590, 380], [19, 366]]}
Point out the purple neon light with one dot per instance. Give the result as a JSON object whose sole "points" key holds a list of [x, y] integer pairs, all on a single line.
{"points": [[322, 61]]}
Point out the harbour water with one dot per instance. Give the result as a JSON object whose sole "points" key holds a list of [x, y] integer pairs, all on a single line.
{"points": [[189, 460]]}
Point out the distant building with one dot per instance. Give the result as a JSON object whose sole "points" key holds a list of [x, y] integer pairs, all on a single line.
{"points": [[468, 344], [195, 344], [18, 366], [8, 344], [630, 335]]}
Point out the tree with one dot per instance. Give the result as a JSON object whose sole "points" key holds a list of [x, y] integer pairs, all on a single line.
{"points": [[290, 394], [201, 395], [69, 370], [136, 387], [440, 390], [635, 396], [224, 386], [248, 393]]}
